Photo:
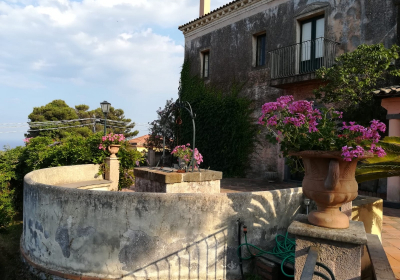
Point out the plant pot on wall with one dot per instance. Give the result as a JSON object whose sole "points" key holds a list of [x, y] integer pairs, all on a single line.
{"points": [[113, 149], [330, 182]]}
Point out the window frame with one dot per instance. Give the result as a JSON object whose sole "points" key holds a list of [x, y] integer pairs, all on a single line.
{"points": [[303, 17], [205, 54], [313, 61], [254, 59], [261, 49]]}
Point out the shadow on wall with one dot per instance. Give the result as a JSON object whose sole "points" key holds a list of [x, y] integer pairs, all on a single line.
{"points": [[265, 218], [219, 250], [147, 235]]}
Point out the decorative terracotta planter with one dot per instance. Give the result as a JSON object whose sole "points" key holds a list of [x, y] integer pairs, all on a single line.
{"points": [[330, 182], [113, 149]]}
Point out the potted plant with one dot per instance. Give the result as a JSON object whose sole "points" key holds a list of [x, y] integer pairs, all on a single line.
{"points": [[184, 154], [112, 142], [328, 148]]}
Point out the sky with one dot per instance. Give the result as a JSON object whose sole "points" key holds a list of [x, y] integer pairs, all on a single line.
{"points": [[127, 52]]}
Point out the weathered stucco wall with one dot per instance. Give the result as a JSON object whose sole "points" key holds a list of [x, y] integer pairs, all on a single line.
{"points": [[146, 235], [231, 43]]}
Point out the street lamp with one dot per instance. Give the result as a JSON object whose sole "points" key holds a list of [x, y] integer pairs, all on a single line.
{"points": [[105, 107]]}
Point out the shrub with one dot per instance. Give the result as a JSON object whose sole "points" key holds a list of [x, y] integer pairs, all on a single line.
{"points": [[44, 152]]}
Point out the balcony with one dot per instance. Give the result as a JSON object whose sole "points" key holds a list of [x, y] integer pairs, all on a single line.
{"points": [[298, 60]]}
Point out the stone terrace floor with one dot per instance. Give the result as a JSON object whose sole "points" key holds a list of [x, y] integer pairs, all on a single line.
{"points": [[391, 238]]}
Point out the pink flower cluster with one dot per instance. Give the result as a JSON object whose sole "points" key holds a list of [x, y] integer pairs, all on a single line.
{"points": [[197, 156], [111, 139], [185, 153], [366, 133], [114, 138], [289, 121], [26, 140], [348, 153], [301, 112]]}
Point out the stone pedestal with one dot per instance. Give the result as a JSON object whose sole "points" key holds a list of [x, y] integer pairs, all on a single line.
{"points": [[339, 249], [112, 172], [160, 181]]}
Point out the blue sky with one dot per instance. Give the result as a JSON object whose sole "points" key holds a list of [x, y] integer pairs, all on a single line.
{"points": [[128, 52]]}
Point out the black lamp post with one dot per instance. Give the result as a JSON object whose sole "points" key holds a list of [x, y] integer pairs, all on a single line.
{"points": [[105, 107]]}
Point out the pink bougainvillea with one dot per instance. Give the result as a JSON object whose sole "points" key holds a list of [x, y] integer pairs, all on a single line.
{"points": [[298, 126]]}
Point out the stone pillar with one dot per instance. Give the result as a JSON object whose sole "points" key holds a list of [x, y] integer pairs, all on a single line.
{"points": [[339, 249], [392, 105], [151, 157], [112, 172]]}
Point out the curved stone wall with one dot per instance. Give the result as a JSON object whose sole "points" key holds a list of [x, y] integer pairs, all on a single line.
{"points": [[113, 235]]}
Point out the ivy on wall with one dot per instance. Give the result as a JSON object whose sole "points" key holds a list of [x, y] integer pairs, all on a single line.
{"points": [[225, 128]]}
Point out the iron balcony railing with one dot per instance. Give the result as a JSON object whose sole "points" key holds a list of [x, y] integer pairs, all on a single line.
{"points": [[302, 58]]}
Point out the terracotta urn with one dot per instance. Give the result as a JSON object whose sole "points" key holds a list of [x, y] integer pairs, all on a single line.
{"points": [[330, 182], [113, 149]]}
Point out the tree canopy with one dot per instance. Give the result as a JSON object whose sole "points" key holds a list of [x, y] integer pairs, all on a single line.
{"points": [[83, 121], [163, 126], [356, 74]]}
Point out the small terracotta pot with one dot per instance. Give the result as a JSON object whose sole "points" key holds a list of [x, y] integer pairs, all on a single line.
{"points": [[113, 149], [330, 182]]}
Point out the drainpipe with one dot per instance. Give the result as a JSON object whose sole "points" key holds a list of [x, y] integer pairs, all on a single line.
{"points": [[204, 7]]}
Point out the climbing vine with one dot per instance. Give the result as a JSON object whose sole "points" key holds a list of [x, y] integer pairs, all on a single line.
{"points": [[225, 128]]}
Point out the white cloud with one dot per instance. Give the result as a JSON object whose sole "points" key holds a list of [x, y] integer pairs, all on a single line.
{"points": [[61, 49]]}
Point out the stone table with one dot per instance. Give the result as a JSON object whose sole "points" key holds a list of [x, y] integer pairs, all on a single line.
{"points": [[167, 180]]}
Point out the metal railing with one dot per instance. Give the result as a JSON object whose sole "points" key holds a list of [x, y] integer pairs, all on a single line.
{"points": [[309, 267], [302, 58]]}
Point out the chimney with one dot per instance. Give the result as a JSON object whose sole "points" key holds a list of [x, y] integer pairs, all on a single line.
{"points": [[204, 7]]}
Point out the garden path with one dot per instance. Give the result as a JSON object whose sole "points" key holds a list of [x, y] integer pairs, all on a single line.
{"points": [[391, 238]]}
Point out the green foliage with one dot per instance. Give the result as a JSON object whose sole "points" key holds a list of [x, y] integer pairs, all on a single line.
{"points": [[7, 211], [355, 74], [58, 110], [9, 161], [43, 152], [225, 129], [377, 168], [164, 125], [365, 111]]}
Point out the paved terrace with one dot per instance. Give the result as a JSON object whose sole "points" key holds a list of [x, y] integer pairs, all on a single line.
{"points": [[391, 238], [391, 217]]}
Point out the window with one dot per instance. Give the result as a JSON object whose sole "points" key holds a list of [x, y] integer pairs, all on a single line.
{"points": [[260, 49], [205, 64], [312, 44]]}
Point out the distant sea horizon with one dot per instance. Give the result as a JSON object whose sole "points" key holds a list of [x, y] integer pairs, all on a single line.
{"points": [[10, 143]]}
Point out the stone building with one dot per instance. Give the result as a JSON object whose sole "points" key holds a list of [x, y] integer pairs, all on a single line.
{"points": [[275, 46]]}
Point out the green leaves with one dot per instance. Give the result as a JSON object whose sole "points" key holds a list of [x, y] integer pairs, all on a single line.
{"points": [[43, 152], [356, 74], [225, 129], [58, 110]]}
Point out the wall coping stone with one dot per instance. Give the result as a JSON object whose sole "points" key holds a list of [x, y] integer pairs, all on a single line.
{"points": [[355, 234], [174, 177]]}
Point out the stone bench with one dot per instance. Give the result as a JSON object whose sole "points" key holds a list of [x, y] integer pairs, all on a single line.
{"points": [[95, 185]]}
